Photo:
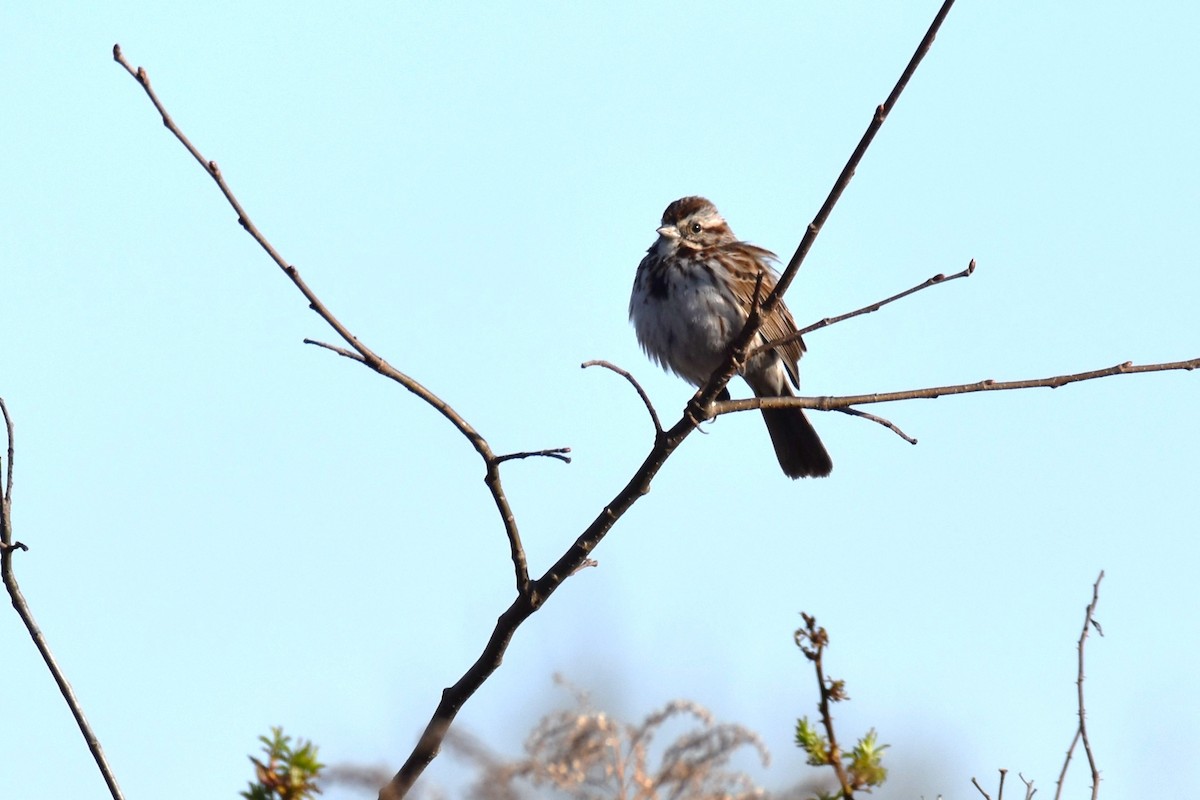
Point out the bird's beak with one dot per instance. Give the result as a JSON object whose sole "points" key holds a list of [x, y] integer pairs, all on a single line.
{"points": [[669, 232]]}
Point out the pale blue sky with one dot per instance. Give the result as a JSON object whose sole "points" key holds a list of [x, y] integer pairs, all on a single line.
{"points": [[231, 530]]}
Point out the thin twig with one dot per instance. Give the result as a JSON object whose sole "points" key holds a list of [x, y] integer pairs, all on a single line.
{"points": [[341, 351], [1081, 729], [1089, 619], [363, 353], [980, 788], [1029, 790], [587, 563], [658, 429], [21, 606], [1062, 774], [756, 298], [854, 412], [1081, 734], [936, 280], [838, 403], [6, 495], [554, 452]]}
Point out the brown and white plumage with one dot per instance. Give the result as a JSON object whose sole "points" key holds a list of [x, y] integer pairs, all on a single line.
{"points": [[692, 295]]}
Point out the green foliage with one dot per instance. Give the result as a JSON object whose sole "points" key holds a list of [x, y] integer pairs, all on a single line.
{"points": [[288, 773], [865, 762], [861, 768], [812, 743]]}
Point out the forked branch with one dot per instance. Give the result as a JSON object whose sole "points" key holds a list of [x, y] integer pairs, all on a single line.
{"points": [[358, 350], [936, 280], [1089, 622], [532, 594]]}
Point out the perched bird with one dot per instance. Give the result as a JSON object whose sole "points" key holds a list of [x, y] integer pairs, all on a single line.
{"points": [[692, 295]]}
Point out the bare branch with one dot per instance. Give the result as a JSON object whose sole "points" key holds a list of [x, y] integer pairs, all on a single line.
{"points": [[361, 352], [341, 351], [6, 495], [1083, 734], [838, 403], [1081, 730], [658, 430], [555, 452], [1062, 775], [1029, 790], [936, 280], [854, 412], [21, 606]]}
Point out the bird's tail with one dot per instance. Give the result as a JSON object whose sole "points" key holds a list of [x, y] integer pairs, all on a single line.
{"points": [[797, 446]]}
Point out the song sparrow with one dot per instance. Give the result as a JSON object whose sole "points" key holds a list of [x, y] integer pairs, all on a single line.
{"points": [[692, 295]]}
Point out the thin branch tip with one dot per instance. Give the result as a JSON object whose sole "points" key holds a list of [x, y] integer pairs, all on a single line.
{"points": [[871, 308], [854, 412], [627, 375]]}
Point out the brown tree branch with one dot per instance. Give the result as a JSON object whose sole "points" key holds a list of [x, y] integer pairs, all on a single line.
{"points": [[854, 412], [7, 548], [554, 452], [658, 430], [1081, 734], [361, 352], [531, 595], [1029, 790], [839, 403], [825, 323]]}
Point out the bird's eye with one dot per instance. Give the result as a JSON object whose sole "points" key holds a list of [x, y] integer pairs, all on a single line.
{"points": [[696, 227]]}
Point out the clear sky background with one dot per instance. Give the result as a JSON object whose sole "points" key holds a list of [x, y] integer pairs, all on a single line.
{"points": [[231, 530]]}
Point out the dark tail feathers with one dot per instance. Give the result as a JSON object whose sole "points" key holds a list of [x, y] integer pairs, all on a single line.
{"points": [[797, 446]]}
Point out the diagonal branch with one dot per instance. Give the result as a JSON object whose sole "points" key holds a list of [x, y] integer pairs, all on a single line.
{"points": [[531, 595], [359, 351], [738, 349], [891, 426], [825, 323], [7, 548], [665, 444]]}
